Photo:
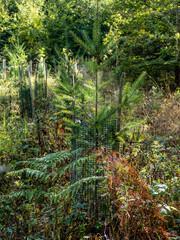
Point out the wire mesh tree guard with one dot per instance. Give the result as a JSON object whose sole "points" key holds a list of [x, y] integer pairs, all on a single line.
{"points": [[89, 138]]}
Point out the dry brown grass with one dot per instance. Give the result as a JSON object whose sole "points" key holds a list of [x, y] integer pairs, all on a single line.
{"points": [[162, 113]]}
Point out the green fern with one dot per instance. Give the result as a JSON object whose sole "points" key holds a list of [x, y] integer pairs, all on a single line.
{"points": [[72, 190], [41, 168]]}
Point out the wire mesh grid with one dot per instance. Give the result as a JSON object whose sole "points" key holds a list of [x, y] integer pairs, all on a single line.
{"points": [[90, 137]]}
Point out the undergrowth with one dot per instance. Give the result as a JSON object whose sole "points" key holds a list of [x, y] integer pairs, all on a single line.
{"points": [[140, 188], [138, 213]]}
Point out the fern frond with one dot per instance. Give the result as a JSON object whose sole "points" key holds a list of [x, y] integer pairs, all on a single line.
{"points": [[17, 194], [50, 160], [40, 175], [39, 167], [29, 194], [77, 163], [74, 188]]}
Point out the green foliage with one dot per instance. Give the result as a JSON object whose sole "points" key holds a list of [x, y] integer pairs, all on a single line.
{"points": [[144, 33], [30, 29], [38, 183], [134, 35], [41, 168], [16, 54], [140, 38]]}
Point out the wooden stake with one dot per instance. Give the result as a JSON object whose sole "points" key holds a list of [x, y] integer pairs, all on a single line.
{"points": [[35, 87], [73, 102], [30, 90], [4, 69], [21, 91], [121, 86], [30, 66], [46, 73]]}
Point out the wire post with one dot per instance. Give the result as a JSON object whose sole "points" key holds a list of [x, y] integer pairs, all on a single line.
{"points": [[121, 86], [4, 69]]}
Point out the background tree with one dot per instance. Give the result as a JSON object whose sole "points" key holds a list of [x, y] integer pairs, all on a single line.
{"points": [[146, 33]]}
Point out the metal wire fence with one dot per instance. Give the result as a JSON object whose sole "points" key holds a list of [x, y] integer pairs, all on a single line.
{"points": [[89, 138]]}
